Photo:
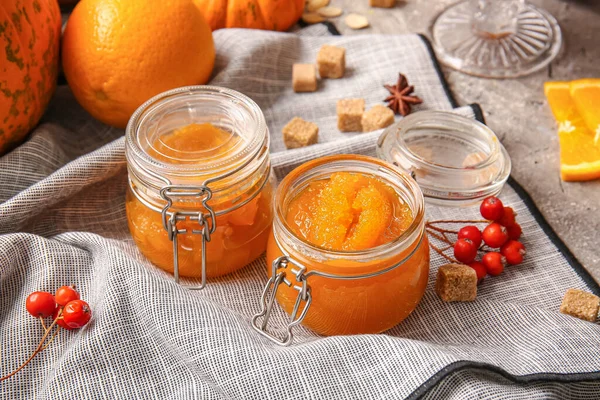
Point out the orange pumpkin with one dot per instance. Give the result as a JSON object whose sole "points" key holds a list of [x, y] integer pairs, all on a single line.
{"points": [[274, 15], [29, 40]]}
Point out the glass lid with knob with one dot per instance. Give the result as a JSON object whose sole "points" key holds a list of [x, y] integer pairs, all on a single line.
{"points": [[457, 161], [496, 38]]}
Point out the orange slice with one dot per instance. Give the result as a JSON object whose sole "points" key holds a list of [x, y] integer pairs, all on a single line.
{"points": [[586, 94], [579, 154]]}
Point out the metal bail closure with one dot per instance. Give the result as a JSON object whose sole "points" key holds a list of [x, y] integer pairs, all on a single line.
{"points": [[269, 294], [206, 221]]}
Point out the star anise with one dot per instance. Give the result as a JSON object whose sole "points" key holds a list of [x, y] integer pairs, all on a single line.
{"points": [[400, 97]]}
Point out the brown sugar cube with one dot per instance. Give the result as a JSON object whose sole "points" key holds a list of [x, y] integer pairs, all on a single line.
{"points": [[299, 133], [456, 282], [382, 3], [331, 61], [304, 78], [580, 304], [349, 112], [378, 117]]}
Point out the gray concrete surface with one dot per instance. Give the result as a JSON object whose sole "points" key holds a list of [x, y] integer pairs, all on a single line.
{"points": [[518, 112]]}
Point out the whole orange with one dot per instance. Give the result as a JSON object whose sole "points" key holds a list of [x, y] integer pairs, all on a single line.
{"points": [[117, 54]]}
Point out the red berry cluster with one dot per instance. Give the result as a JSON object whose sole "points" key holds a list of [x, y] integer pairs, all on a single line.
{"points": [[67, 310], [498, 241]]}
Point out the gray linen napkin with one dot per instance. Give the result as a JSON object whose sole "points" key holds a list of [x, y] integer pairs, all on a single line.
{"points": [[62, 221]]}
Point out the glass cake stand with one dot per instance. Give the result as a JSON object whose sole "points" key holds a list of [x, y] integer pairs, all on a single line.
{"points": [[496, 38]]}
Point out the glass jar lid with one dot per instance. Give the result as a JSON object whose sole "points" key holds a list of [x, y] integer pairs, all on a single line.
{"points": [[455, 160]]}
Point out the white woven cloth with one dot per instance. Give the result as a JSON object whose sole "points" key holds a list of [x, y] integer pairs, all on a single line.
{"points": [[62, 221]]}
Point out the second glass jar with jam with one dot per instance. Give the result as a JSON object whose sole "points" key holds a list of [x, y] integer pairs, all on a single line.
{"points": [[199, 171], [348, 253]]}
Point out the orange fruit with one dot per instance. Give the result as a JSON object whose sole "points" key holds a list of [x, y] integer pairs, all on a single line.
{"points": [[579, 151], [117, 54], [586, 94]]}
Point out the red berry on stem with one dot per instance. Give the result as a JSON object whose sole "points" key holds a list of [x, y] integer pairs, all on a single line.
{"points": [[66, 294], [479, 269], [40, 304], [494, 263], [472, 233], [514, 231], [76, 313], [513, 251], [508, 217], [60, 322], [465, 251], [491, 208], [495, 235]]}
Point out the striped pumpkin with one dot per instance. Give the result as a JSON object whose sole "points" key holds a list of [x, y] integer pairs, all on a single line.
{"points": [[274, 15], [29, 44]]}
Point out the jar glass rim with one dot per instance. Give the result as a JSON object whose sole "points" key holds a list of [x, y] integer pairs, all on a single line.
{"points": [[424, 118], [456, 160], [317, 169], [255, 127]]}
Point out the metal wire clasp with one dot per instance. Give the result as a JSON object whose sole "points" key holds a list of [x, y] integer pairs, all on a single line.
{"points": [[278, 276], [206, 221]]}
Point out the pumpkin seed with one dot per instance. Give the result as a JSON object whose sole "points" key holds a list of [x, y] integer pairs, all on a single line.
{"points": [[314, 5], [329, 11], [356, 21], [312, 18]]}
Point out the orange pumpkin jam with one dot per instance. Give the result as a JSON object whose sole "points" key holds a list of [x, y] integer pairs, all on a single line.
{"points": [[241, 234], [348, 212], [357, 215]]}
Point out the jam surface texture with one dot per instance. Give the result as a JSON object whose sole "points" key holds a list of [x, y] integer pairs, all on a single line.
{"points": [[348, 212]]}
